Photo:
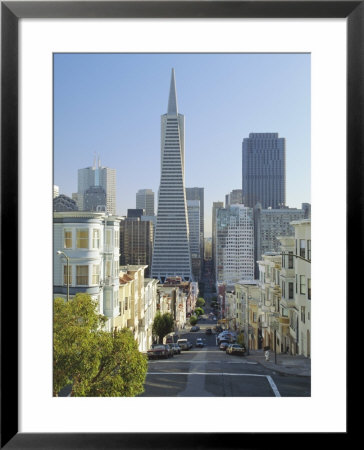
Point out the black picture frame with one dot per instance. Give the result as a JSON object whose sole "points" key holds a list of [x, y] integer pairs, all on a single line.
{"points": [[11, 12]]}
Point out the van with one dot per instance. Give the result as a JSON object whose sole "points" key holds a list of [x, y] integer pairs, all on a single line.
{"points": [[183, 343]]}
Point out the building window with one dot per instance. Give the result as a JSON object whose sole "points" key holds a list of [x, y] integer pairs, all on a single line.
{"points": [[107, 269], [67, 239], [108, 238], [290, 290], [126, 303], [302, 248], [302, 284], [303, 314], [116, 238], [309, 288], [96, 274], [290, 260], [82, 275], [65, 281], [95, 238], [309, 249], [116, 268], [82, 238]]}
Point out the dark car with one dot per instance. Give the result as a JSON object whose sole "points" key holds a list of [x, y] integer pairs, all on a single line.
{"points": [[235, 349], [208, 331], [158, 351], [223, 345], [199, 342], [195, 328]]}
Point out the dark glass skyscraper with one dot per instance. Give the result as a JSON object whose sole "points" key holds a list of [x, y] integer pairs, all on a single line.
{"points": [[264, 170]]}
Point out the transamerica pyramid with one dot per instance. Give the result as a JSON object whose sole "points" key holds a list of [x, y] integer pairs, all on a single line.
{"points": [[171, 253]]}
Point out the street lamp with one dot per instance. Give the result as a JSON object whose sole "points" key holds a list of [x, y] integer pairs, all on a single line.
{"points": [[68, 273]]}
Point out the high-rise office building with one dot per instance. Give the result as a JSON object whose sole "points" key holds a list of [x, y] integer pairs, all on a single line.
{"points": [[94, 199], [235, 196], [264, 170], [136, 241], [171, 254], [215, 207], [193, 208], [97, 176], [197, 193], [269, 224], [145, 200], [234, 244]]}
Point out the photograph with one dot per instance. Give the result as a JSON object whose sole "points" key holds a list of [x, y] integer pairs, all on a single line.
{"points": [[181, 224]]}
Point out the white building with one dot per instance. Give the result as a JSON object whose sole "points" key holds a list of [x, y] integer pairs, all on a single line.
{"points": [[88, 245], [171, 254], [303, 285], [103, 177], [234, 244]]}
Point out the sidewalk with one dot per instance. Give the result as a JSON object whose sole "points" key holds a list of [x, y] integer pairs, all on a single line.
{"points": [[286, 364]]}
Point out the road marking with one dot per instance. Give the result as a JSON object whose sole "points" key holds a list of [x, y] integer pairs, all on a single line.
{"points": [[270, 381], [205, 361], [273, 386]]}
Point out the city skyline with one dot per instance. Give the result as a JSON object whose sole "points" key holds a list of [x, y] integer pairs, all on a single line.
{"points": [[110, 104]]}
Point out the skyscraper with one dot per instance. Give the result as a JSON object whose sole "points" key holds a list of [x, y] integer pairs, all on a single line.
{"points": [[97, 176], [234, 244], [215, 207], [193, 208], [145, 200], [171, 253], [264, 170], [197, 193]]}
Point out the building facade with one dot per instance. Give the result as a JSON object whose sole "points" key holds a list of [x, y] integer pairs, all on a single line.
{"points": [[86, 259], [235, 196], [269, 224], [215, 207], [264, 170], [193, 209], [103, 177], [234, 244], [198, 193], [136, 242], [171, 253], [145, 200]]}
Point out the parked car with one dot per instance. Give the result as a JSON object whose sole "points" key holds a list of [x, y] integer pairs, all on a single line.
{"points": [[170, 350], [184, 344], [158, 351], [176, 349], [208, 331], [223, 345], [235, 349], [195, 328], [199, 342]]}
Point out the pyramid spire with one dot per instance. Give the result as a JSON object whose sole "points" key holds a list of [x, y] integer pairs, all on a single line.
{"points": [[172, 101]]}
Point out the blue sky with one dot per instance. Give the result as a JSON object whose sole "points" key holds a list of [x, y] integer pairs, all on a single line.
{"points": [[110, 104]]}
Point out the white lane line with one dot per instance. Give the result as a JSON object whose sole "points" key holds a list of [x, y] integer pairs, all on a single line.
{"points": [[203, 360], [270, 381], [273, 386]]}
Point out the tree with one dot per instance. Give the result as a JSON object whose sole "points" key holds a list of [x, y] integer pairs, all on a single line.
{"points": [[162, 325], [97, 363], [193, 320], [200, 302], [199, 311]]}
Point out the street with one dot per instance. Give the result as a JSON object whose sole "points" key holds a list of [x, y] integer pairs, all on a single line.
{"points": [[210, 372]]}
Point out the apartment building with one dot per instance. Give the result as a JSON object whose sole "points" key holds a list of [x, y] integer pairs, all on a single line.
{"points": [[86, 259]]}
